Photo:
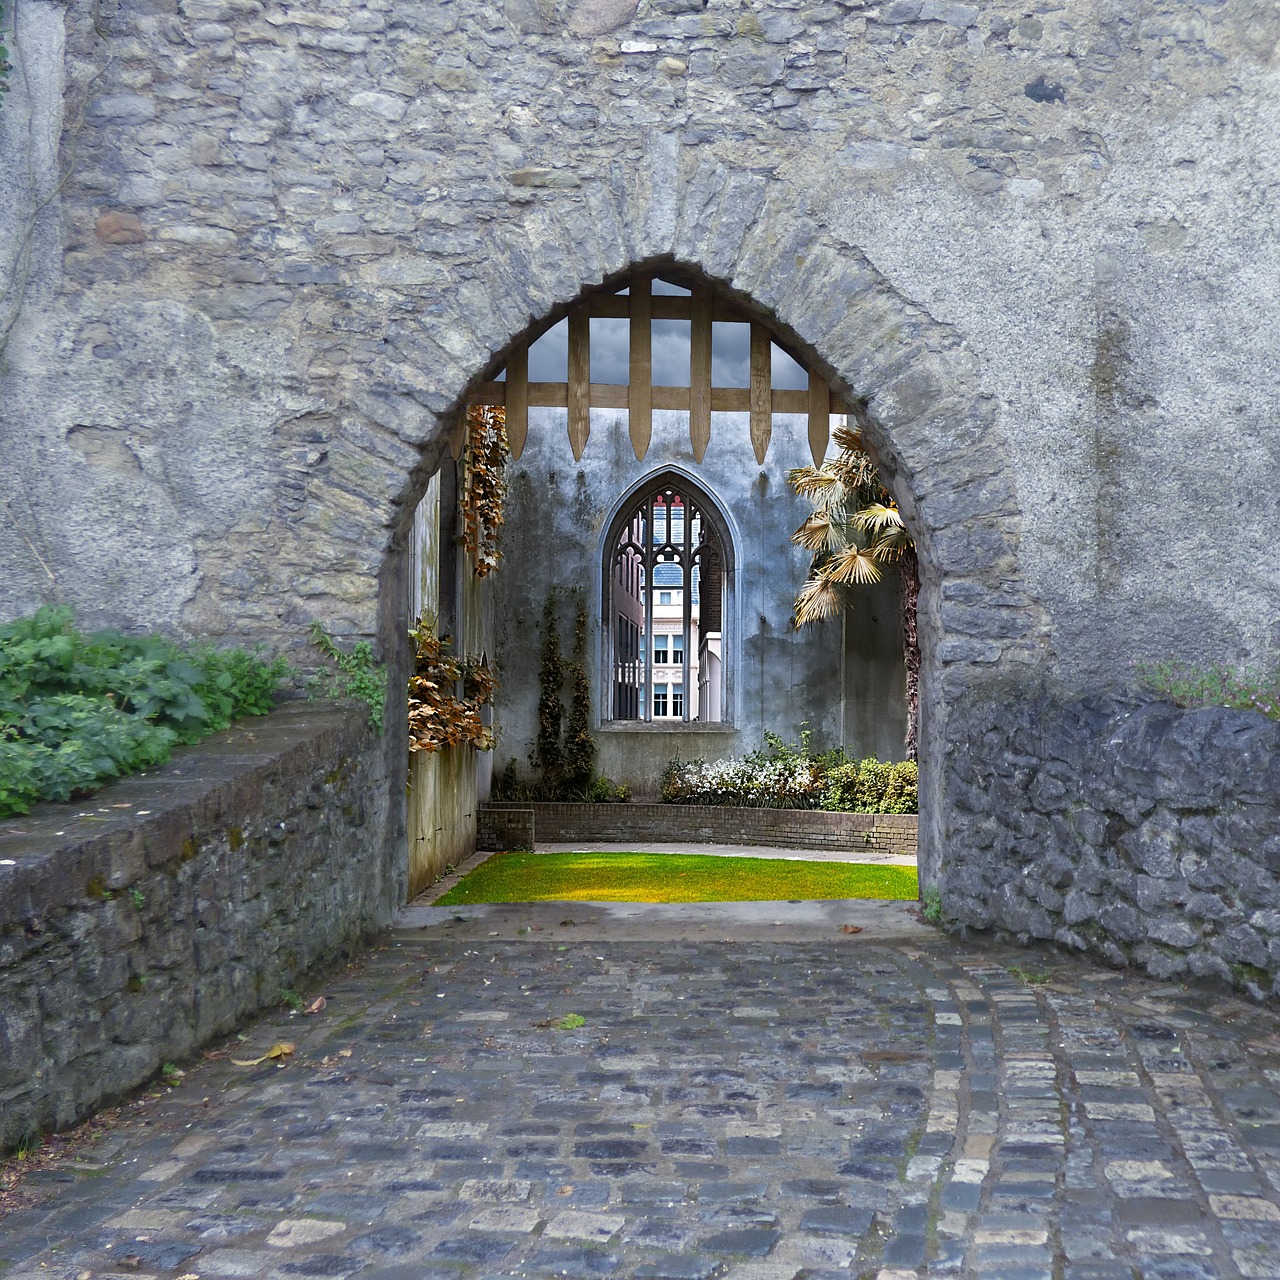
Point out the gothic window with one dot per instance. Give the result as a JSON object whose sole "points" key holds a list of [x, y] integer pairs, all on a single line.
{"points": [[665, 584]]}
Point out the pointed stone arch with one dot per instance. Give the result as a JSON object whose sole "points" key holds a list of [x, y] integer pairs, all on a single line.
{"points": [[915, 388]]}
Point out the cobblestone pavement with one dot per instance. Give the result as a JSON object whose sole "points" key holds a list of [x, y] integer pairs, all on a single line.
{"points": [[542, 1105]]}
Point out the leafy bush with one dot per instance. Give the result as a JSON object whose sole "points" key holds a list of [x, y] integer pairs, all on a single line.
{"points": [[1214, 686], [872, 786], [787, 776], [508, 785], [76, 710]]}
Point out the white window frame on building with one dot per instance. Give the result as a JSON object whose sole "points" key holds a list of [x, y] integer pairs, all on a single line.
{"points": [[669, 581]]}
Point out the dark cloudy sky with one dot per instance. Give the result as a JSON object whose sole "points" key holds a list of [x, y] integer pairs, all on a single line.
{"points": [[610, 355]]}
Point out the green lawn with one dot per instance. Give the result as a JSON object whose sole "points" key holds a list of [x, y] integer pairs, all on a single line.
{"points": [[672, 877]]}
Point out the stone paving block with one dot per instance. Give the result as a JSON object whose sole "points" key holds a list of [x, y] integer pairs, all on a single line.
{"points": [[505, 1218], [578, 1225], [749, 1241], [677, 1267], [293, 1232], [572, 1261], [236, 1262], [836, 1221], [388, 1242], [763, 1271]]}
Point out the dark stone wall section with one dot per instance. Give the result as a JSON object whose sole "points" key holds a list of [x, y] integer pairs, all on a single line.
{"points": [[1142, 833], [138, 924]]}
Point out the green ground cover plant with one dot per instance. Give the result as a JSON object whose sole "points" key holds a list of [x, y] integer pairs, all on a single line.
{"points": [[77, 710], [784, 775], [1242, 689], [671, 877]]}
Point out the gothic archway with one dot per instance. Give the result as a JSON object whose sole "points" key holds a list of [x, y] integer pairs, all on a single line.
{"points": [[935, 434]]}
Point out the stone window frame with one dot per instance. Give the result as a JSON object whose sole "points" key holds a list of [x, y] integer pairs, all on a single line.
{"points": [[726, 539]]}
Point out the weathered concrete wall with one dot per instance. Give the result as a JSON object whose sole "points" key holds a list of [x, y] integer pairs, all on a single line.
{"points": [[893, 833], [442, 813], [556, 516], [137, 925], [290, 238], [1133, 829]]}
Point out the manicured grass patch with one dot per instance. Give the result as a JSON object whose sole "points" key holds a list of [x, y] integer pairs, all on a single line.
{"points": [[672, 877]]}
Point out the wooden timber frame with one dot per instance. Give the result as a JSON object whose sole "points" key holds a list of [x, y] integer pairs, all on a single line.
{"points": [[702, 307]]}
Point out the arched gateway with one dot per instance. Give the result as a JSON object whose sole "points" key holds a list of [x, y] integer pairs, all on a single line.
{"points": [[905, 378]]}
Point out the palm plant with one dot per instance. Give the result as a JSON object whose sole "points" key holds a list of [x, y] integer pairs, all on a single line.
{"points": [[856, 535]]}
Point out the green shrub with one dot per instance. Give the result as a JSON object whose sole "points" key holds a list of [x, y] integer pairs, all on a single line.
{"points": [[76, 710], [872, 786]]}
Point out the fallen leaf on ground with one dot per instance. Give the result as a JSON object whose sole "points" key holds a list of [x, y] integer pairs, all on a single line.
{"points": [[850, 928], [281, 1050], [570, 1022], [316, 1006]]}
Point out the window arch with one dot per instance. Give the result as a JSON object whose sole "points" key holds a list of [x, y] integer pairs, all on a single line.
{"points": [[667, 578]]}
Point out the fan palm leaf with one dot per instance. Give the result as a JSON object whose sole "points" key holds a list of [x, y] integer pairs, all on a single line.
{"points": [[816, 600], [820, 485], [876, 517], [853, 567], [820, 532]]}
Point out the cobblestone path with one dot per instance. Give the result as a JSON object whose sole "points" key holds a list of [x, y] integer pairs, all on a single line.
{"points": [[756, 1110]]}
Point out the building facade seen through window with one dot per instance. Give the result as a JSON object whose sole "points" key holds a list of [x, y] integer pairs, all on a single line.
{"points": [[665, 598]]}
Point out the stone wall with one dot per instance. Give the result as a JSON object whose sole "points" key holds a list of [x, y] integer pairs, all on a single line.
{"points": [[255, 255], [1134, 830], [700, 824], [136, 925]]}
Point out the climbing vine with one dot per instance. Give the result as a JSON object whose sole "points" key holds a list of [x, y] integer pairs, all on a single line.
{"points": [[548, 754], [564, 755], [484, 485], [439, 716], [579, 745]]}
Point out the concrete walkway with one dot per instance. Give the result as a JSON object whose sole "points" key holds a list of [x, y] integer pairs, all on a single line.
{"points": [[586, 1091], [739, 851]]}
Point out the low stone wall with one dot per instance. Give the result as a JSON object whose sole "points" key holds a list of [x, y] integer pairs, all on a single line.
{"points": [[501, 827], [138, 924], [702, 824], [1131, 829]]}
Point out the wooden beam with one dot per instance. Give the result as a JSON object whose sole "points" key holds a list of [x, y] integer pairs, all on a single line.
{"points": [[578, 391], [663, 306], [609, 395], [760, 400], [700, 373], [458, 435], [640, 399], [819, 417], [517, 400]]}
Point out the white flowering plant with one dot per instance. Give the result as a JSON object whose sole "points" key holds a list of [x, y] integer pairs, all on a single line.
{"points": [[787, 776]]}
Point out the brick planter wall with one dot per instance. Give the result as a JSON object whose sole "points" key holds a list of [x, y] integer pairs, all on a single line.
{"points": [[702, 824], [136, 925]]}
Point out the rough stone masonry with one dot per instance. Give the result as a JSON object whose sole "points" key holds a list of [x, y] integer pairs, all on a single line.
{"points": [[254, 254]]}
